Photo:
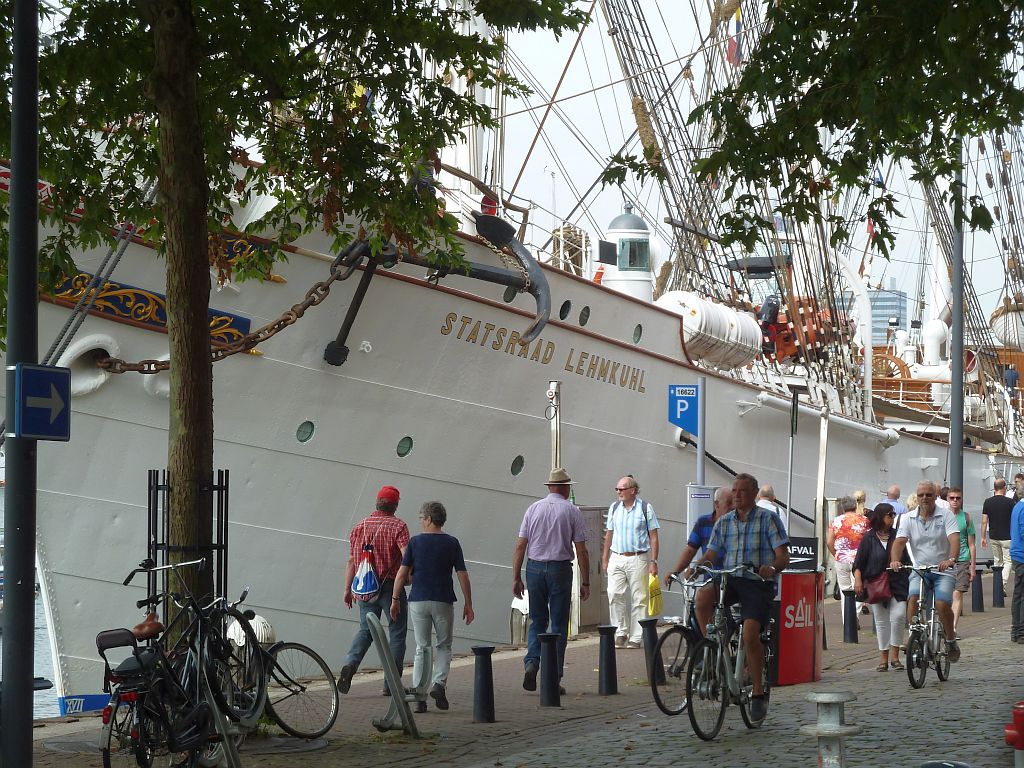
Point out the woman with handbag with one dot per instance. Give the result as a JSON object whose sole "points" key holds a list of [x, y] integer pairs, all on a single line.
{"points": [[884, 590]]}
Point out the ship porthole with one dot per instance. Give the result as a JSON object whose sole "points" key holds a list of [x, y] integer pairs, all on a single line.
{"points": [[517, 465], [638, 333], [81, 357], [565, 309], [584, 316], [305, 431], [404, 446], [510, 295]]}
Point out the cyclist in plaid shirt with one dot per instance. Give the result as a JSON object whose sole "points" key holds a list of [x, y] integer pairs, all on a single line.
{"points": [[754, 535]]}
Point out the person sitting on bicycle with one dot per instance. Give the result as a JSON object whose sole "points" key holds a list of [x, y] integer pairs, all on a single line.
{"points": [[753, 535], [704, 604], [934, 538]]}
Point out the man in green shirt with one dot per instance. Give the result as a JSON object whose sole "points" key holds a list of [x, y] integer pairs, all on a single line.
{"points": [[964, 568]]}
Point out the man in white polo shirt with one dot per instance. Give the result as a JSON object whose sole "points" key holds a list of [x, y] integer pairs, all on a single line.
{"points": [[934, 537], [630, 558]]}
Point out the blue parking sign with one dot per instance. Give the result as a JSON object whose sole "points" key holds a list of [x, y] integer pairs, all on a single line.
{"points": [[682, 407], [43, 397]]}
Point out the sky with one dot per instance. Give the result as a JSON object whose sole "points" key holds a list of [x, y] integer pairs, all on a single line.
{"points": [[559, 168]]}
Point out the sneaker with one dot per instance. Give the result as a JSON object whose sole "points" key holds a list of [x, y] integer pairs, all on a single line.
{"points": [[345, 678], [438, 695], [954, 652], [421, 707], [530, 677], [956, 636], [631, 644], [620, 641], [758, 708]]}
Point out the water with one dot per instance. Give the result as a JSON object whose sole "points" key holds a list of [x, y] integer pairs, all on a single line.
{"points": [[45, 704]]}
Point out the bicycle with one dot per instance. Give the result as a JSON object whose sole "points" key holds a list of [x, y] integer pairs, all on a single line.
{"points": [[718, 673], [302, 696], [927, 644], [163, 696], [671, 657]]}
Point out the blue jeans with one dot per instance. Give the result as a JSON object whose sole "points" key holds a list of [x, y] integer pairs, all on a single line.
{"points": [[550, 586], [396, 628]]}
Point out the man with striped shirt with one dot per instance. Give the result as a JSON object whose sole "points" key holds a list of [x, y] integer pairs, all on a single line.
{"points": [[752, 535], [630, 558]]}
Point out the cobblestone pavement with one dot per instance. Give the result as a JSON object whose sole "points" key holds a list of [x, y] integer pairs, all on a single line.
{"points": [[961, 719]]}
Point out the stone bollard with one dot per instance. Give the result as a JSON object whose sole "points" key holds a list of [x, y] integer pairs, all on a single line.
{"points": [[998, 589], [483, 685], [649, 637], [549, 670], [977, 593], [831, 727], [849, 617], [607, 674]]}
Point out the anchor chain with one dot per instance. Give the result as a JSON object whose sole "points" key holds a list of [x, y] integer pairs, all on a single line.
{"points": [[314, 296]]}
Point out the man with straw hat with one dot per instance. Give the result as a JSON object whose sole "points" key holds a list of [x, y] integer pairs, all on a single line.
{"points": [[551, 531]]}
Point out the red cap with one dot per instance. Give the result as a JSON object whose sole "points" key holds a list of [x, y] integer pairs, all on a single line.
{"points": [[388, 493]]}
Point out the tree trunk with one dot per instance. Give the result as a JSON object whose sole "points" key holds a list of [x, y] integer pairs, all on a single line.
{"points": [[183, 196]]}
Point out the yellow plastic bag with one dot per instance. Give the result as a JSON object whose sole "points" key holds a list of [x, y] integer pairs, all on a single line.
{"points": [[653, 596]]}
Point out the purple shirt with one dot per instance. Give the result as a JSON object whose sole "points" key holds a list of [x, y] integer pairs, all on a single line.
{"points": [[550, 526]]}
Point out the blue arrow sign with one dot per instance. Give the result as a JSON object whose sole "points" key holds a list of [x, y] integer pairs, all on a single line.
{"points": [[682, 407], [43, 397]]}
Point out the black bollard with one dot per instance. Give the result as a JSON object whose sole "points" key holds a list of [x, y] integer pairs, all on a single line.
{"points": [[998, 589], [549, 671], [649, 637], [607, 674], [483, 685], [977, 593], [849, 617]]}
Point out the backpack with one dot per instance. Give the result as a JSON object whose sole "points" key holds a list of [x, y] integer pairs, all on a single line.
{"points": [[366, 583]]}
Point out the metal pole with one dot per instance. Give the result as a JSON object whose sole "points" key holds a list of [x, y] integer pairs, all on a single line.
{"points": [[702, 383], [794, 415], [555, 404], [956, 378], [22, 347]]}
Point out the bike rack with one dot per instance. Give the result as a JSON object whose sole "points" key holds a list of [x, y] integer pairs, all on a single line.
{"points": [[399, 716], [229, 753]]}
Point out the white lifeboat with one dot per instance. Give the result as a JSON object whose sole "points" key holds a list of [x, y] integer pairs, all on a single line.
{"points": [[714, 333], [1007, 323]]}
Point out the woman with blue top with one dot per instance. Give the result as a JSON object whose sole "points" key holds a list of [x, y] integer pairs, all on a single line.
{"points": [[429, 560]]}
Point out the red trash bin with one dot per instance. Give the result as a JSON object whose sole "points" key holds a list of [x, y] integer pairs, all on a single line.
{"points": [[800, 627]]}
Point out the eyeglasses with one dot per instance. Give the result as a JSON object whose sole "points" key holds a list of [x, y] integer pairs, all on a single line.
{"points": [[623, 490], [954, 498], [889, 514]]}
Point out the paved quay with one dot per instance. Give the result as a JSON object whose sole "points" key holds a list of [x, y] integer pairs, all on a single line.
{"points": [[961, 719]]}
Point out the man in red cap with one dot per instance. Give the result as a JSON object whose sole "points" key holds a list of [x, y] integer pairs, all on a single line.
{"points": [[389, 536]]}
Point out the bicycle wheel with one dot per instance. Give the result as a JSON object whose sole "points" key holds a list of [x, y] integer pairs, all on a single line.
{"points": [[747, 689], [235, 670], [668, 670], [705, 696], [301, 694], [916, 660], [942, 655], [118, 747]]}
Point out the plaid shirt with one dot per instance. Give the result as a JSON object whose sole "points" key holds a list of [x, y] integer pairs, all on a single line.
{"points": [[754, 541], [388, 534]]}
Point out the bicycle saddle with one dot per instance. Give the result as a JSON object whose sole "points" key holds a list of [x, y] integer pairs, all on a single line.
{"points": [[148, 628]]}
